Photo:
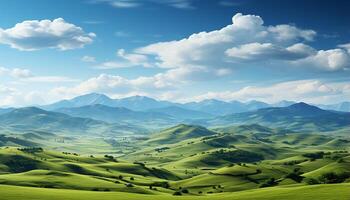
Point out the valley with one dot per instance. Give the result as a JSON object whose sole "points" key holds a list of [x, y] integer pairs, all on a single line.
{"points": [[229, 159]]}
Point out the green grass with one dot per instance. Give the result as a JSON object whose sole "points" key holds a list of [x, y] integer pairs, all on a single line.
{"points": [[319, 192], [209, 164]]}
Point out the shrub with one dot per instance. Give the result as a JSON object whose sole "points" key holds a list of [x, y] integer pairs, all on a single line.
{"points": [[185, 191], [177, 193], [311, 181], [332, 177], [316, 155], [129, 185], [295, 176], [270, 182]]}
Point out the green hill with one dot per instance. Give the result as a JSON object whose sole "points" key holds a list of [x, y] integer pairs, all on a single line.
{"points": [[32, 118], [179, 133]]}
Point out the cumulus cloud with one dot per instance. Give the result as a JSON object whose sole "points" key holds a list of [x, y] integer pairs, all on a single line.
{"points": [[209, 48], [248, 39], [331, 60], [126, 60], [345, 46], [106, 83], [34, 35], [258, 51]]}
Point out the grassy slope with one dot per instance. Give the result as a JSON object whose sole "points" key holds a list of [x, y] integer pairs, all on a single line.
{"points": [[319, 192], [199, 162]]}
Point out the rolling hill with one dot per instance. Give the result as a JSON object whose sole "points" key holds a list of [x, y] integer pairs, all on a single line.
{"points": [[32, 118], [179, 133]]}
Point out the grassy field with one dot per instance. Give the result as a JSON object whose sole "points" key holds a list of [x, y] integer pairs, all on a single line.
{"points": [[252, 163], [319, 192]]}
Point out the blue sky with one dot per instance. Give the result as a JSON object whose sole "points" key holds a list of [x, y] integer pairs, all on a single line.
{"points": [[177, 50]]}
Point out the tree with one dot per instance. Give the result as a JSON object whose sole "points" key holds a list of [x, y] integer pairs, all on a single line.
{"points": [[177, 193], [270, 182]]}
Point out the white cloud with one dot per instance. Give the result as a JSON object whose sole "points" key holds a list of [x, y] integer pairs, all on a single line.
{"points": [[345, 46], [126, 60], [88, 59], [331, 60], [112, 84], [248, 39], [134, 59], [16, 72], [313, 91], [208, 48], [258, 51], [21, 73], [286, 32], [34, 35]]}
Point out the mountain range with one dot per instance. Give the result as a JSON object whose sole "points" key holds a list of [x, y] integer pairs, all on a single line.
{"points": [[98, 113], [209, 106], [33, 118]]}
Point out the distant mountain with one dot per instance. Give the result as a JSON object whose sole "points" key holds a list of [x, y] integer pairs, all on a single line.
{"points": [[343, 106], [114, 114], [216, 107], [219, 108], [300, 116], [84, 100], [137, 103], [32, 118], [181, 113], [5, 110], [210, 106], [141, 103], [179, 133], [283, 103], [255, 105]]}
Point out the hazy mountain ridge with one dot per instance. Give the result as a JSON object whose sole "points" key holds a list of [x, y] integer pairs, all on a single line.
{"points": [[30, 118], [209, 106], [300, 116]]}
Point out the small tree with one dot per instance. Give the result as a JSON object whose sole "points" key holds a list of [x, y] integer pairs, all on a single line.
{"points": [[177, 193]]}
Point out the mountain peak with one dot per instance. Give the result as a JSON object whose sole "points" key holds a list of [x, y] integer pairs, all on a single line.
{"points": [[91, 97], [139, 98], [303, 105]]}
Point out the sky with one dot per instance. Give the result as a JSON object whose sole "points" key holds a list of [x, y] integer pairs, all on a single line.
{"points": [[176, 50]]}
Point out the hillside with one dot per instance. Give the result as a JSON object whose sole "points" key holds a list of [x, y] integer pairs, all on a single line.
{"points": [[181, 113], [115, 114], [296, 117], [179, 133], [32, 118]]}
